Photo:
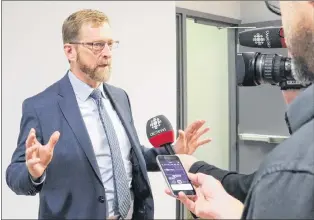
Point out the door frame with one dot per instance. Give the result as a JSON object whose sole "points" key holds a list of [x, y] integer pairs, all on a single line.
{"points": [[221, 22]]}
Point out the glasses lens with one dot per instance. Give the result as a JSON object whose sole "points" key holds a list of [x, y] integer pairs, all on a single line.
{"points": [[115, 45]]}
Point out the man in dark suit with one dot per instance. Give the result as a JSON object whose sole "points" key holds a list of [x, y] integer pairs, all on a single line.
{"points": [[77, 146]]}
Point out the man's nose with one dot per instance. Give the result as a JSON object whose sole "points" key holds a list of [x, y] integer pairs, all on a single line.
{"points": [[106, 52]]}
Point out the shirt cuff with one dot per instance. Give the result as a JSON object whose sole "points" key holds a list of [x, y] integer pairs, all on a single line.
{"points": [[39, 180]]}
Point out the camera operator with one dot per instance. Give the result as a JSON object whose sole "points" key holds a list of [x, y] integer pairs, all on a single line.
{"points": [[237, 185], [284, 184]]}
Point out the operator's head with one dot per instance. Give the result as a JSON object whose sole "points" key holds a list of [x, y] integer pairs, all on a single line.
{"points": [[88, 43], [298, 24]]}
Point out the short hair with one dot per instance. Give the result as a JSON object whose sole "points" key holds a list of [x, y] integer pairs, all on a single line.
{"points": [[72, 25]]}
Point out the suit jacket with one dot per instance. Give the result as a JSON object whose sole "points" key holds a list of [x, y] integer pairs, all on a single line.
{"points": [[73, 188]]}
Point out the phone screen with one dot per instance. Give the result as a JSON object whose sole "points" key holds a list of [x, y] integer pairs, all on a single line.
{"points": [[175, 175]]}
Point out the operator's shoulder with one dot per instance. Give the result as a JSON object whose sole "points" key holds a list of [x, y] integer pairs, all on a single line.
{"points": [[292, 187], [296, 154]]}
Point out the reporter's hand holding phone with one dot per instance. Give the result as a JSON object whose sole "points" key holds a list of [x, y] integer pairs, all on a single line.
{"points": [[211, 200], [39, 156]]}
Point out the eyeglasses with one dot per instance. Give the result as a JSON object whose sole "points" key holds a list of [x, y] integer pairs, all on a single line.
{"points": [[99, 46], [273, 7]]}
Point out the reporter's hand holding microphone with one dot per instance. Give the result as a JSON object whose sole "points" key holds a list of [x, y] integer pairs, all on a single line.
{"points": [[39, 156]]}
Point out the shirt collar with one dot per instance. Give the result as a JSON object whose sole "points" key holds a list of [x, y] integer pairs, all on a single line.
{"points": [[83, 90]]}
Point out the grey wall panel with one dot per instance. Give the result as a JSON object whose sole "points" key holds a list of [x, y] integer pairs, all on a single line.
{"points": [[262, 108], [260, 111], [252, 154]]}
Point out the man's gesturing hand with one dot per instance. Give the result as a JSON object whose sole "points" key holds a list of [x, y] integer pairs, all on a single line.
{"points": [[39, 156]]}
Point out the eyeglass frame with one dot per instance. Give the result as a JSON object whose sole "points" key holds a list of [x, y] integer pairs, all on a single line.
{"points": [[92, 44], [272, 8]]}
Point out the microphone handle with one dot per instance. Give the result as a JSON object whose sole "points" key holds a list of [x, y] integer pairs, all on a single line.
{"points": [[169, 149]]}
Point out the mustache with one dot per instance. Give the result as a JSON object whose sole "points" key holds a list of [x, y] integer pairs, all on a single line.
{"points": [[107, 63]]}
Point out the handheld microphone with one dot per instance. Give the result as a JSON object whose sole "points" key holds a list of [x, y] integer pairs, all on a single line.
{"points": [[268, 37], [160, 133]]}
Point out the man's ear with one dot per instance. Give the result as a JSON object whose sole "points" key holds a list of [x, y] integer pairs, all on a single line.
{"points": [[70, 52]]}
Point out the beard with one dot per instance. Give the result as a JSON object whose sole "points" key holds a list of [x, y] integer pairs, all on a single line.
{"points": [[98, 73], [301, 71], [301, 48]]}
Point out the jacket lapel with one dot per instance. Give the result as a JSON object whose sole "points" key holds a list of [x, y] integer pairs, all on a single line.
{"points": [[114, 97], [72, 114]]}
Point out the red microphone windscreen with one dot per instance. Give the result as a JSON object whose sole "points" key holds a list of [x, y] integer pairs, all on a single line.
{"points": [[282, 38], [159, 131]]}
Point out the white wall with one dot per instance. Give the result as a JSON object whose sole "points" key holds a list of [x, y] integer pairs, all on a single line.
{"points": [[230, 9], [33, 59]]}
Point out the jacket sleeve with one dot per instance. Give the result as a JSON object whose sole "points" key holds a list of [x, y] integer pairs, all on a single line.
{"points": [[237, 185], [281, 195], [17, 175], [150, 155]]}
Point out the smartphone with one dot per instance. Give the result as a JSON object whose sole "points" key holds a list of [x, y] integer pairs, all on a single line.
{"points": [[175, 175]]}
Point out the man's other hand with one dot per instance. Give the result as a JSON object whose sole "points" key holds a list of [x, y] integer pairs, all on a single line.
{"points": [[39, 156], [188, 140]]}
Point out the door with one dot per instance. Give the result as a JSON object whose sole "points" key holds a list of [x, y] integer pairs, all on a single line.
{"points": [[206, 69]]}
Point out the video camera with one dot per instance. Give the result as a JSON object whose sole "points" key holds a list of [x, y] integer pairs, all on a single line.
{"points": [[254, 68]]}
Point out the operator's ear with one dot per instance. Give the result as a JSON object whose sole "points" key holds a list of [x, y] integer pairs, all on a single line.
{"points": [[311, 3]]}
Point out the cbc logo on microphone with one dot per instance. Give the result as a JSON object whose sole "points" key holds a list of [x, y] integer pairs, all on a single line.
{"points": [[259, 39], [155, 123]]}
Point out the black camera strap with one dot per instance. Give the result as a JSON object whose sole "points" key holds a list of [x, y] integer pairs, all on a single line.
{"points": [[292, 85]]}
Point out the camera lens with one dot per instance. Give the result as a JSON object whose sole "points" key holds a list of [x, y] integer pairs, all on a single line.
{"points": [[255, 69]]}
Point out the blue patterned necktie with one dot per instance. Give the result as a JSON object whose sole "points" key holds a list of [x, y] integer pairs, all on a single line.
{"points": [[122, 190]]}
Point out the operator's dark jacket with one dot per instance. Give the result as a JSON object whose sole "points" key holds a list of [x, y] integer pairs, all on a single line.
{"points": [[283, 187]]}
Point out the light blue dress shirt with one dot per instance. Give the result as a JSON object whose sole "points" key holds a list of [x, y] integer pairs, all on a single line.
{"points": [[98, 136], [89, 112]]}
